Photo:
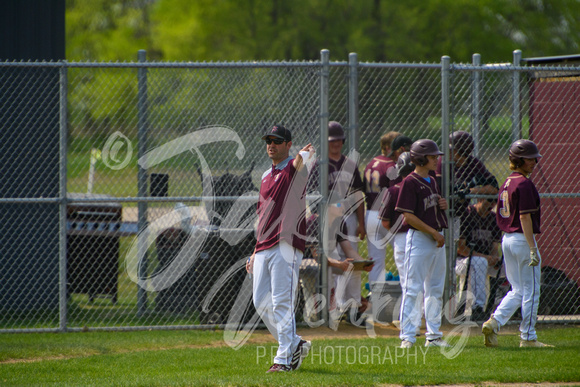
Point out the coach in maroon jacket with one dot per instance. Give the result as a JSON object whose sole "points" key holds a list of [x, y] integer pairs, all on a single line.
{"points": [[280, 246]]}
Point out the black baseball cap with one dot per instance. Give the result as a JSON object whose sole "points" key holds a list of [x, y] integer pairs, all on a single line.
{"points": [[398, 142], [278, 131]]}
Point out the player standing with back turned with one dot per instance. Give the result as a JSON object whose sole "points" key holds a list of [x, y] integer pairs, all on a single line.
{"points": [[518, 216], [381, 173]]}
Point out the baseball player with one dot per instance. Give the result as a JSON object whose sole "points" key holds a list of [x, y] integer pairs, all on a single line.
{"points": [[469, 173], [280, 245], [309, 269], [344, 181], [423, 209], [381, 173], [518, 216], [393, 222], [479, 242]]}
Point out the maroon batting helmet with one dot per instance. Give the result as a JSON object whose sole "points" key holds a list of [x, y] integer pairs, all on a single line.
{"points": [[423, 148], [335, 131], [523, 149], [461, 142]]}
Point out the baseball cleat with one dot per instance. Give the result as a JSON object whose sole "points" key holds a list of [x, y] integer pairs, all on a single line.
{"points": [[437, 343], [489, 330], [300, 354], [279, 368], [534, 344], [406, 344]]}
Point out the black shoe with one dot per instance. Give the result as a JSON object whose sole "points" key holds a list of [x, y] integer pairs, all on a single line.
{"points": [[358, 320], [478, 314], [299, 354]]}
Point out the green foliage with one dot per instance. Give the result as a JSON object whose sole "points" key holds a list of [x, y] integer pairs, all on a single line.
{"points": [[107, 29], [378, 30]]}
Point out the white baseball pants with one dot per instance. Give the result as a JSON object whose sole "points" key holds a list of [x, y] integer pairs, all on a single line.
{"points": [[424, 271], [348, 286], [525, 282], [399, 245], [376, 245], [477, 278], [275, 291]]}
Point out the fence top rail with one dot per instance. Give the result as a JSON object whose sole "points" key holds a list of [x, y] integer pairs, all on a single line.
{"points": [[275, 64], [65, 64], [510, 67], [401, 65]]}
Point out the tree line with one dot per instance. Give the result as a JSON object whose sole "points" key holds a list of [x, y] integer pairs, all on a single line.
{"points": [[377, 30]]}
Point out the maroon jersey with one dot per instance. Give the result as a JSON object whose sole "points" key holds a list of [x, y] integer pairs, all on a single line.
{"points": [[517, 196], [282, 207], [380, 173], [464, 175], [420, 197], [478, 231], [387, 211], [339, 184]]}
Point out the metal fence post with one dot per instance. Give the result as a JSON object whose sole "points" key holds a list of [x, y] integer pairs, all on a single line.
{"points": [[63, 101], [516, 112], [323, 172], [475, 107], [445, 130], [142, 180], [353, 100]]}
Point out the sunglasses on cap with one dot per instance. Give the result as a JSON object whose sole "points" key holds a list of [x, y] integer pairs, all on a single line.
{"points": [[276, 141]]}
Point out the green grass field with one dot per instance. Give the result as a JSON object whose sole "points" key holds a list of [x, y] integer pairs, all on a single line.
{"points": [[193, 358]]}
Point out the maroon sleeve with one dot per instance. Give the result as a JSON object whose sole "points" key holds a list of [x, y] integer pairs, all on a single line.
{"points": [[388, 209], [527, 194], [407, 199], [357, 183]]}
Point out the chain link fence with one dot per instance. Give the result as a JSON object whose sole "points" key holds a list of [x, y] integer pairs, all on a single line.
{"points": [[129, 190]]}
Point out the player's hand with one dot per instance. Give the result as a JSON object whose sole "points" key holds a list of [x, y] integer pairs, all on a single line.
{"points": [[368, 268], [308, 148], [361, 232], [346, 264], [492, 260], [461, 191], [306, 153], [440, 239], [250, 264], [442, 203], [534, 257], [303, 157]]}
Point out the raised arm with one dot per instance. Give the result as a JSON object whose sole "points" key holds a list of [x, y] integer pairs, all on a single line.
{"points": [[303, 157]]}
